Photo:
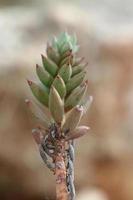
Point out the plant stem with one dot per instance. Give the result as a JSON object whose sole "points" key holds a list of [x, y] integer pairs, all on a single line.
{"points": [[60, 171]]}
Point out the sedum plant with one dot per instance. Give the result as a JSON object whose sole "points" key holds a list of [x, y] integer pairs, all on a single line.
{"points": [[61, 103]]}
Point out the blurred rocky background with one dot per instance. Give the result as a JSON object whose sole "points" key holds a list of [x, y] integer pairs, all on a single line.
{"points": [[104, 158]]}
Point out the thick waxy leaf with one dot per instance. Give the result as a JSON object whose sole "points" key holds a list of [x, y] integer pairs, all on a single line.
{"points": [[52, 54], [37, 112], [72, 118], [66, 54], [40, 93], [55, 43], [56, 105], [67, 60], [44, 76], [86, 102], [77, 69], [60, 86], [75, 81], [78, 132], [65, 72], [77, 61], [75, 96], [49, 65], [65, 47], [37, 135]]}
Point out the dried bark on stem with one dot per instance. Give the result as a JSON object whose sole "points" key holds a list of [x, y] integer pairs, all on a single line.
{"points": [[60, 171]]}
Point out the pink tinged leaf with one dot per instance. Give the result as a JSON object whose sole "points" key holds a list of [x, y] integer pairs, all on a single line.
{"points": [[38, 113], [37, 135], [78, 132]]}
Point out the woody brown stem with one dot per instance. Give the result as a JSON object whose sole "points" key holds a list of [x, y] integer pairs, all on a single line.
{"points": [[60, 171]]}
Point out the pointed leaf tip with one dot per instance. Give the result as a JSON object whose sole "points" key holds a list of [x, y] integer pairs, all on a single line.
{"points": [[37, 66], [40, 93], [79, 108], [27, 101], [37, 135], [78, 132], [86, 82], [42, 56], [38, 113], [29, 82]]}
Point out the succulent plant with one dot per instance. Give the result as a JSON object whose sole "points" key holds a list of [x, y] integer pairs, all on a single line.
{"points": [[61, 91]]}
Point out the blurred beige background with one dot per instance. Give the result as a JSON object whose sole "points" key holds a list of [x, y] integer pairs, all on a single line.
{"points": [[104, 158]]}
